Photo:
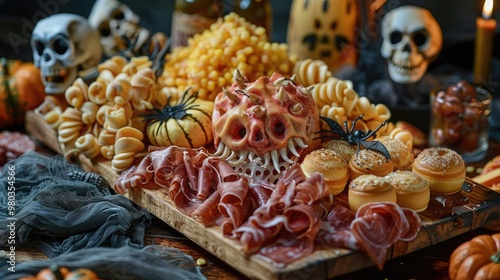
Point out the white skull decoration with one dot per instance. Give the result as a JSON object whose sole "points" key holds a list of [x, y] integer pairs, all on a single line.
{"points": [[412, 38], [117, 24], [62, 45]]}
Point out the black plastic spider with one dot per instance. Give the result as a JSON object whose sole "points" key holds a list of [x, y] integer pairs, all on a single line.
{"points": [[354, 137]]}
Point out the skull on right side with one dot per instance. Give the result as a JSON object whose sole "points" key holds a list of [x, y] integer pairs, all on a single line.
{"points": [[412, 39]]}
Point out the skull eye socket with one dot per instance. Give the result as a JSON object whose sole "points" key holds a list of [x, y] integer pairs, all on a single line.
{"points": [[420, 38], [118, 14], [60, 46], [39, 46], [239, 132], [395, 37], [105, 31]]}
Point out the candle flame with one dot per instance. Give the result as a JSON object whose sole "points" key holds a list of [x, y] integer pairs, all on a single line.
{"points": [[487, 8]]}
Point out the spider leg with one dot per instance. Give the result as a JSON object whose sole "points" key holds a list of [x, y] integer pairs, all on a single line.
{"points": [[353, 124], [358, 147], [160, 59], [374, 133], [346, 128], [327, 134]]}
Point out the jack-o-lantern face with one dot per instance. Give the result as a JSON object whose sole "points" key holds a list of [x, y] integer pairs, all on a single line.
{"points": [[324, 29]]}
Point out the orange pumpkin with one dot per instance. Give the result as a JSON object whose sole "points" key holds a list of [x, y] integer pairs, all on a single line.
{"points": [[478, 258], [52, 272], [82, 274], [21, 89]]}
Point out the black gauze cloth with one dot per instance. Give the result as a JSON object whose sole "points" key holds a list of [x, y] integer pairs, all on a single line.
{"points": [[60, 208], [148, 263]]}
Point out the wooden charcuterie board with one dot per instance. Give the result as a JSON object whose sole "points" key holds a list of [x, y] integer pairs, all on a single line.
{"points": [[482, 208]]}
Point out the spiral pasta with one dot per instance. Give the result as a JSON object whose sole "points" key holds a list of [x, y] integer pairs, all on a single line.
{"points": [[71, 127], [97, 92], [106, 138], [128, 143], [96, 113], [119, 91], [77, 93], [311, 71], [114, 65], [336, 99], [115, 118], [143, 89], [87, 145], [89, 112], [108, 152], [54, 117]]}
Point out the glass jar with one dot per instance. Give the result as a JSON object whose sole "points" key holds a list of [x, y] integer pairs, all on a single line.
{"points": [[459, 119], [258, 12], [191, 17]]}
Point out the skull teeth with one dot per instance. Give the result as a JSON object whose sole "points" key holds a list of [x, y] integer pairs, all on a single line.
{"points": [[272, 158], [55, 76], [242, 157]]}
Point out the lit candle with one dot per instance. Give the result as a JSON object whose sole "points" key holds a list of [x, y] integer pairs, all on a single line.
{"points": [[485, 31]]}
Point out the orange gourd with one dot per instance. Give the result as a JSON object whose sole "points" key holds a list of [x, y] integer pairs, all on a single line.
{"points": [[478, 258], [21, 89]]}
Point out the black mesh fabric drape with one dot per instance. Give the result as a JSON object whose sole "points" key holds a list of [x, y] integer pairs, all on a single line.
{"points": [[149, 263], [59, 208]]}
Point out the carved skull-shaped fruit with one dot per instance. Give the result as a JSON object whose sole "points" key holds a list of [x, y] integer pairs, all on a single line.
{"points": [[263, 127], [62, 45], [117, 24], [412, 38]]}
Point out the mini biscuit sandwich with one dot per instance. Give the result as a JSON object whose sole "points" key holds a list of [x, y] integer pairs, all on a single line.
{"points": [[331, 165]]}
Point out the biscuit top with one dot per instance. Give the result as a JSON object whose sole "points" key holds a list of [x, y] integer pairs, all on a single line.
{"points": [[370, 183], [343, 148], [407, 181], [440, 160], [327, 162], [368, 160], [401, 155]]}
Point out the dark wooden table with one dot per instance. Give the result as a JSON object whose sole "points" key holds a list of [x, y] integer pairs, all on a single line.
{"points": [[428, 263]]}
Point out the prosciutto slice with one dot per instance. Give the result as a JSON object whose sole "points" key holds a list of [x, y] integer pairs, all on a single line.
{"points": [[336, 231], [284, 229], [259, 195], [208, 213], [378, 225]]}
